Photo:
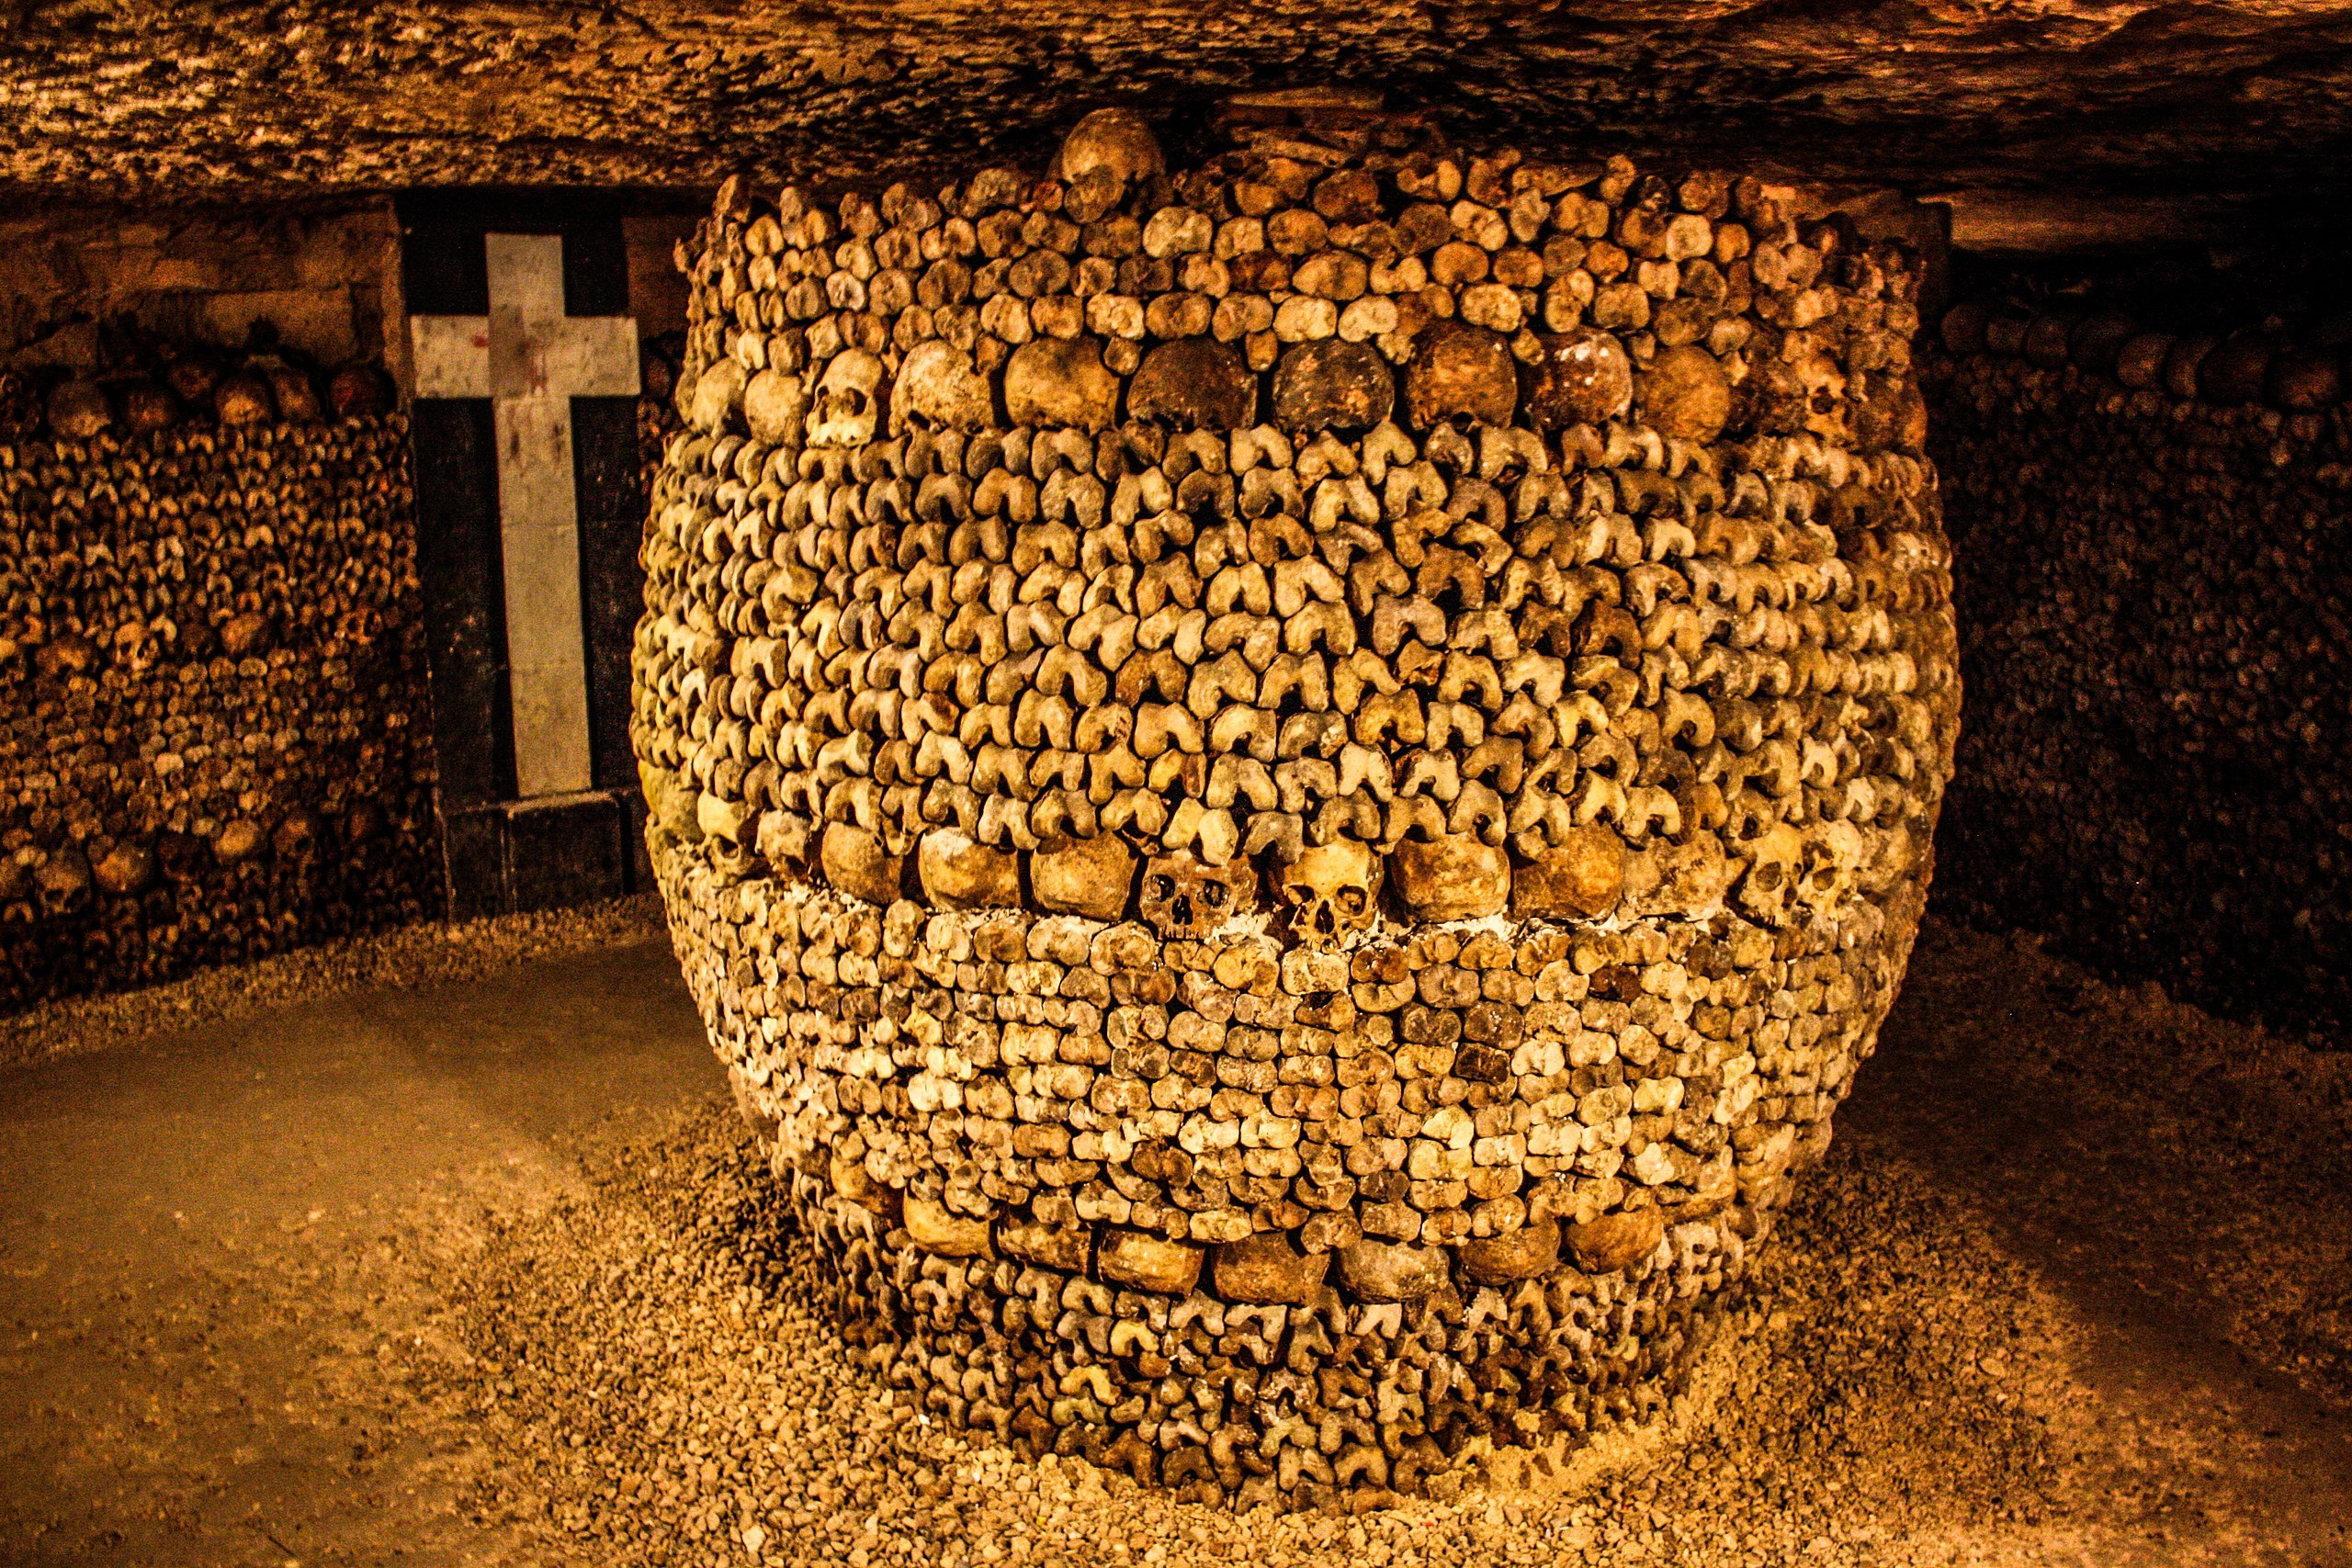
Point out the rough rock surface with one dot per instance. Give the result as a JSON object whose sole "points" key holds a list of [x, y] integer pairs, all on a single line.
{"points": [[214, 94]]}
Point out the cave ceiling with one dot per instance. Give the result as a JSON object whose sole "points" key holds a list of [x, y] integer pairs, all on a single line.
{"points": [[2226, 98]]}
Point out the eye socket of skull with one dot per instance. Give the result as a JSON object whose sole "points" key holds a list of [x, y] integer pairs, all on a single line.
{"points": [[1214, 894], [1351, 901], [1164, 887], [1767, 875]]}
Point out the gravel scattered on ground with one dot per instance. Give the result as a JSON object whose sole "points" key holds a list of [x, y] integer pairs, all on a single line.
{"points": [[657, 1389], [408, 956], [2204, 1163]]}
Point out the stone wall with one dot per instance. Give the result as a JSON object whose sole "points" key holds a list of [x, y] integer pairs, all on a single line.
{"points": [[213, 724], [325, 281], [1292, 787], [2154, 577]]}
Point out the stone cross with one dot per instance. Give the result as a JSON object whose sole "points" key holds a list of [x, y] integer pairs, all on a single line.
{"points": [[531, 360]]}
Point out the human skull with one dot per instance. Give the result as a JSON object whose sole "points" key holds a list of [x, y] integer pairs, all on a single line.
{"points": [[1775, 864], [1333, 384], [1194, 383], [135, 646], [1833, 854], [848, 401], [710, 399], [1060, 383], [1580, 377], [939, 389], [1823, 385], [62, 881], [1332, 890], [1115, 141], [775, 406], [1889, 855], [1183, 897], [1460, 371], [1685, 394]]}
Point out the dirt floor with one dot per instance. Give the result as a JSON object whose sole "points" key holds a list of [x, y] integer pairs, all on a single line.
{"points": [[441, 1271]]}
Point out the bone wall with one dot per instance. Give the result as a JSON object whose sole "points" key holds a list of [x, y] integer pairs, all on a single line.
{"points": [[213, 724], [1292, 788], [2151, 570]]}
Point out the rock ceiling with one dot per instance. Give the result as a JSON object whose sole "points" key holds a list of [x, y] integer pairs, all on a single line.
{"points": [[2122, 96]]}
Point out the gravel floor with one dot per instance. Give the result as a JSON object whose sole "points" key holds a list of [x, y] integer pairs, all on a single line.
{"points": [[1898, 1389], [1896, 1382], [409, 956], [2202, 1166], [2026, 1314]]}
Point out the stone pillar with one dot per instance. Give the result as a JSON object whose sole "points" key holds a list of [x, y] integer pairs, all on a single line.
{"points": [[1292, 788]]}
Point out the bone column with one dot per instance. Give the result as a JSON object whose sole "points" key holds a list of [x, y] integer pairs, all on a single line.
{"points": [[530, 359]]}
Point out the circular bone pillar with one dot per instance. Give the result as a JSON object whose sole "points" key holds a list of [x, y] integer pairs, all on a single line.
{"points": [[1293, 788]]}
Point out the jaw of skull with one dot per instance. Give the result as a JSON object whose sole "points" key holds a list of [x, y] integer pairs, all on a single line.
{"points": [[848, 403], [1332, 891], [1184, 897]]}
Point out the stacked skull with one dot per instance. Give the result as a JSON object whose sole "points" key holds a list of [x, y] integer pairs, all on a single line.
{"points": [[1291, 789], [211, 668], [2158, 767]]}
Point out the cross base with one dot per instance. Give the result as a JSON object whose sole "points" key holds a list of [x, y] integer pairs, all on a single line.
{"points": [[547, 852]]}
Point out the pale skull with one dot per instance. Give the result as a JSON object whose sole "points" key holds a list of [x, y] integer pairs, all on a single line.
{"points": [[1775, 862], [1834, 855], [1889, 854], [848, 401], [938, 389], [1184, 897], [1333, 891]]}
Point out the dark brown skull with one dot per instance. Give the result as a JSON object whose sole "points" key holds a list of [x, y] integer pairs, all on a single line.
{"points": [[1194, 383], [1333, 384], [1183, 897], [1580, 377]]}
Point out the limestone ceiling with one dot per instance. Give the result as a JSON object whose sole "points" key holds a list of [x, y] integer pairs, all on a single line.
{"points": [[2135, 99]]}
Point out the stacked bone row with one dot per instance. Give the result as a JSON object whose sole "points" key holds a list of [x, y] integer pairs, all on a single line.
{"points": [[1256, 1218], [2252, 366], [214, 743], [1327, 607], [162, 387], [2176, 572]]}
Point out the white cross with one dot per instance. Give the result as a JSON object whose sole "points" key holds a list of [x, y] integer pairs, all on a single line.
{"points": [[531, 360]]}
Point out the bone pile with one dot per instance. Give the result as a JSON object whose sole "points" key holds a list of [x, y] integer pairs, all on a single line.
{"points": [[212, 706], [2157, 766], [162, 387], [1292, 788]]}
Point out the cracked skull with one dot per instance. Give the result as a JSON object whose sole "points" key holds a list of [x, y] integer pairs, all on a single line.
{"points": [[1183, 897], [848, 400], [1332, 890]]}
